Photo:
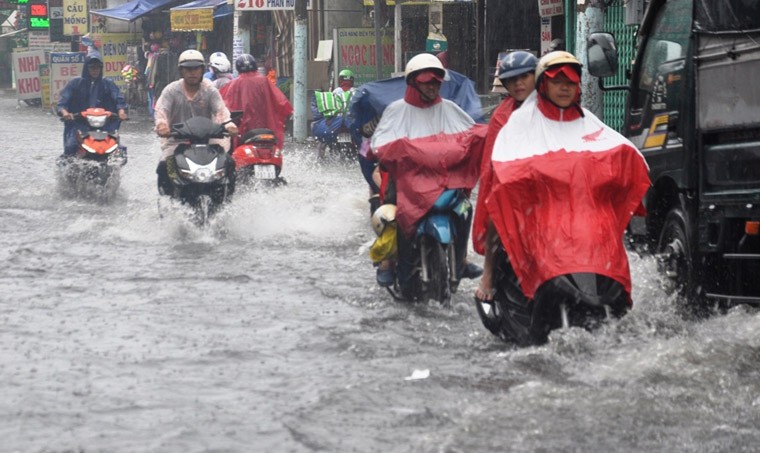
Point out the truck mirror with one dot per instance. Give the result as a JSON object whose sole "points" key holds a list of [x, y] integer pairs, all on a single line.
{"points": [[602, 54]]}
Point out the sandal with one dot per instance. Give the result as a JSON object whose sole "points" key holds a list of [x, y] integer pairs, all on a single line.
{"points": [[483, 295]]}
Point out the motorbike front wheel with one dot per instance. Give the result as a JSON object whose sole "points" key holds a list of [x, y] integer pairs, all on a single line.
{"points": [[436, 263]]}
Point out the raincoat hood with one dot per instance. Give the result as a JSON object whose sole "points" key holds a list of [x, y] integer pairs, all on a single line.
{"points": [[91, 55]]}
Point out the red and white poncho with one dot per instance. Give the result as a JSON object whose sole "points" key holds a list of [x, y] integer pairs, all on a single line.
{"points": [[566, 187], [426, 150]]}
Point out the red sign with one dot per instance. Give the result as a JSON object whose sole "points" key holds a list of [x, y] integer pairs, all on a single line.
{"points": [[38, 10]]}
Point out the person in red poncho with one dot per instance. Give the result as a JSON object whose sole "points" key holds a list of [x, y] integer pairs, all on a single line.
{"points": [[263, 104], [516, 73], [564, 184], [426, 144]]}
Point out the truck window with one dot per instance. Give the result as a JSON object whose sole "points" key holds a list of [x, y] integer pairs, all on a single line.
{"points": [[668, 41]]}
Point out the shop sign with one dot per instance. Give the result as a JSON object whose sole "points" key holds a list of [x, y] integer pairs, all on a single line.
{"points": [[200, 19], [113, 48], [267, 5], [548, 8], [355, 50], [64, 66], [45, 84], [546, 35], [26, 67], [75, 21]]}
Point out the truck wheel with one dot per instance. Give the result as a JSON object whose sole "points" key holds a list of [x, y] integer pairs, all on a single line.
{"points": [[676, 262]]}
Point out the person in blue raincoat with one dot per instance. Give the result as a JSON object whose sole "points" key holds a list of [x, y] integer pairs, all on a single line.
{"points": [[89, 90]]}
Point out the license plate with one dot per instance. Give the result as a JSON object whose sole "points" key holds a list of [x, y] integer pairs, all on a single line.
{"points": [[264, 172], [344, 137]]}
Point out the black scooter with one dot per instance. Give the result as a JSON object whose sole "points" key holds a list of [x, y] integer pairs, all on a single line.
{"points": [[576, 299], [202, 174]]}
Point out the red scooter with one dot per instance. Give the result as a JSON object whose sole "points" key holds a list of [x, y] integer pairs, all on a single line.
{"points": [[258, 158], [99, 157]]}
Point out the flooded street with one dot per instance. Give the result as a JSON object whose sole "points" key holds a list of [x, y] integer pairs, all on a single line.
{"points": [[123, 330]]}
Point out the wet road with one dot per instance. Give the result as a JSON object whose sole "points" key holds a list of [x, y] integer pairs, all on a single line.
{"points": [[124, 331]]}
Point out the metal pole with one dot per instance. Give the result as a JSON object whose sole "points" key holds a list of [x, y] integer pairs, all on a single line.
{"points": [[590, 19], [378, 42], [300, 74], [397, 37]]}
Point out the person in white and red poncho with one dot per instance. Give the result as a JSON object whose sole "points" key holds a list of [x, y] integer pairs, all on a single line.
{"points": [[561, 173], [426, 144]]}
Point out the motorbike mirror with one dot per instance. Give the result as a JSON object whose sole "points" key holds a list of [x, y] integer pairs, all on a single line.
{"points": [[602, 54]]}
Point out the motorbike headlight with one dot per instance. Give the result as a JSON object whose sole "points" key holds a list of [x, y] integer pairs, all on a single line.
{"points": [[203, 174], [97, 121]]}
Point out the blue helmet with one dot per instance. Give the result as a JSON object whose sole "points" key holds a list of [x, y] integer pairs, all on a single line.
{"points": [[516, 63], [246, 63]]}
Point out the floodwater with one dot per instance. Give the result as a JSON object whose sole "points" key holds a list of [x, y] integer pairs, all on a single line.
{"points": [[125, 331]]}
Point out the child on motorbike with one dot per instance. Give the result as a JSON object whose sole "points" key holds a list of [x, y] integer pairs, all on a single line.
{"points": [[516, 73]]}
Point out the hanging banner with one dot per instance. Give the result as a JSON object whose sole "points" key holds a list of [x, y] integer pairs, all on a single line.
{"points": [[26, 67], [64, 66], [267, 5], [548, 8], [355, 50], [546, 35], [199, 19], [75, 21]]}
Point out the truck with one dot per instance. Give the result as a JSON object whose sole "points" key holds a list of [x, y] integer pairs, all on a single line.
{"points": [[693, 110]]}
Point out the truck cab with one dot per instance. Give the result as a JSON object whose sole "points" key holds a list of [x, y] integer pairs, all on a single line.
{"points": [[693, 110]]}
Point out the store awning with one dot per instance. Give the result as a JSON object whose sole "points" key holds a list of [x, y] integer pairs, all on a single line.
{"points": [[132, 10]]}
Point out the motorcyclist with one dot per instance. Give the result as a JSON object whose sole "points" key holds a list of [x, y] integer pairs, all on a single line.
{"points": [[330, 110], [345, 84], [183, 99], [220, 68], [214, 60], [423, 117], [263, 104], [516, 73], [548, 145], [89, 90]]}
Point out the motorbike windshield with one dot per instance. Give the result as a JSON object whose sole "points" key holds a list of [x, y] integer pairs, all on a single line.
{"points": [[563, 196]]}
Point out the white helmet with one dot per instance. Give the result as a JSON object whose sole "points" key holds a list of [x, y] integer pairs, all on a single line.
{"points": [[190, 59], [383, 215], [556, 58], [421, 62], [219, 61]]}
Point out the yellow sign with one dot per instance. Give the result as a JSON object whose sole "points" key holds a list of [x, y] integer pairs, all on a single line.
{"points": [[114, 48], [75, 21], [198, 19]]}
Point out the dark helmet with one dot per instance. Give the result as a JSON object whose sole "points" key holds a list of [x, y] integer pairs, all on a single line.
{"points": [[246, 63], [516, 63]]}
